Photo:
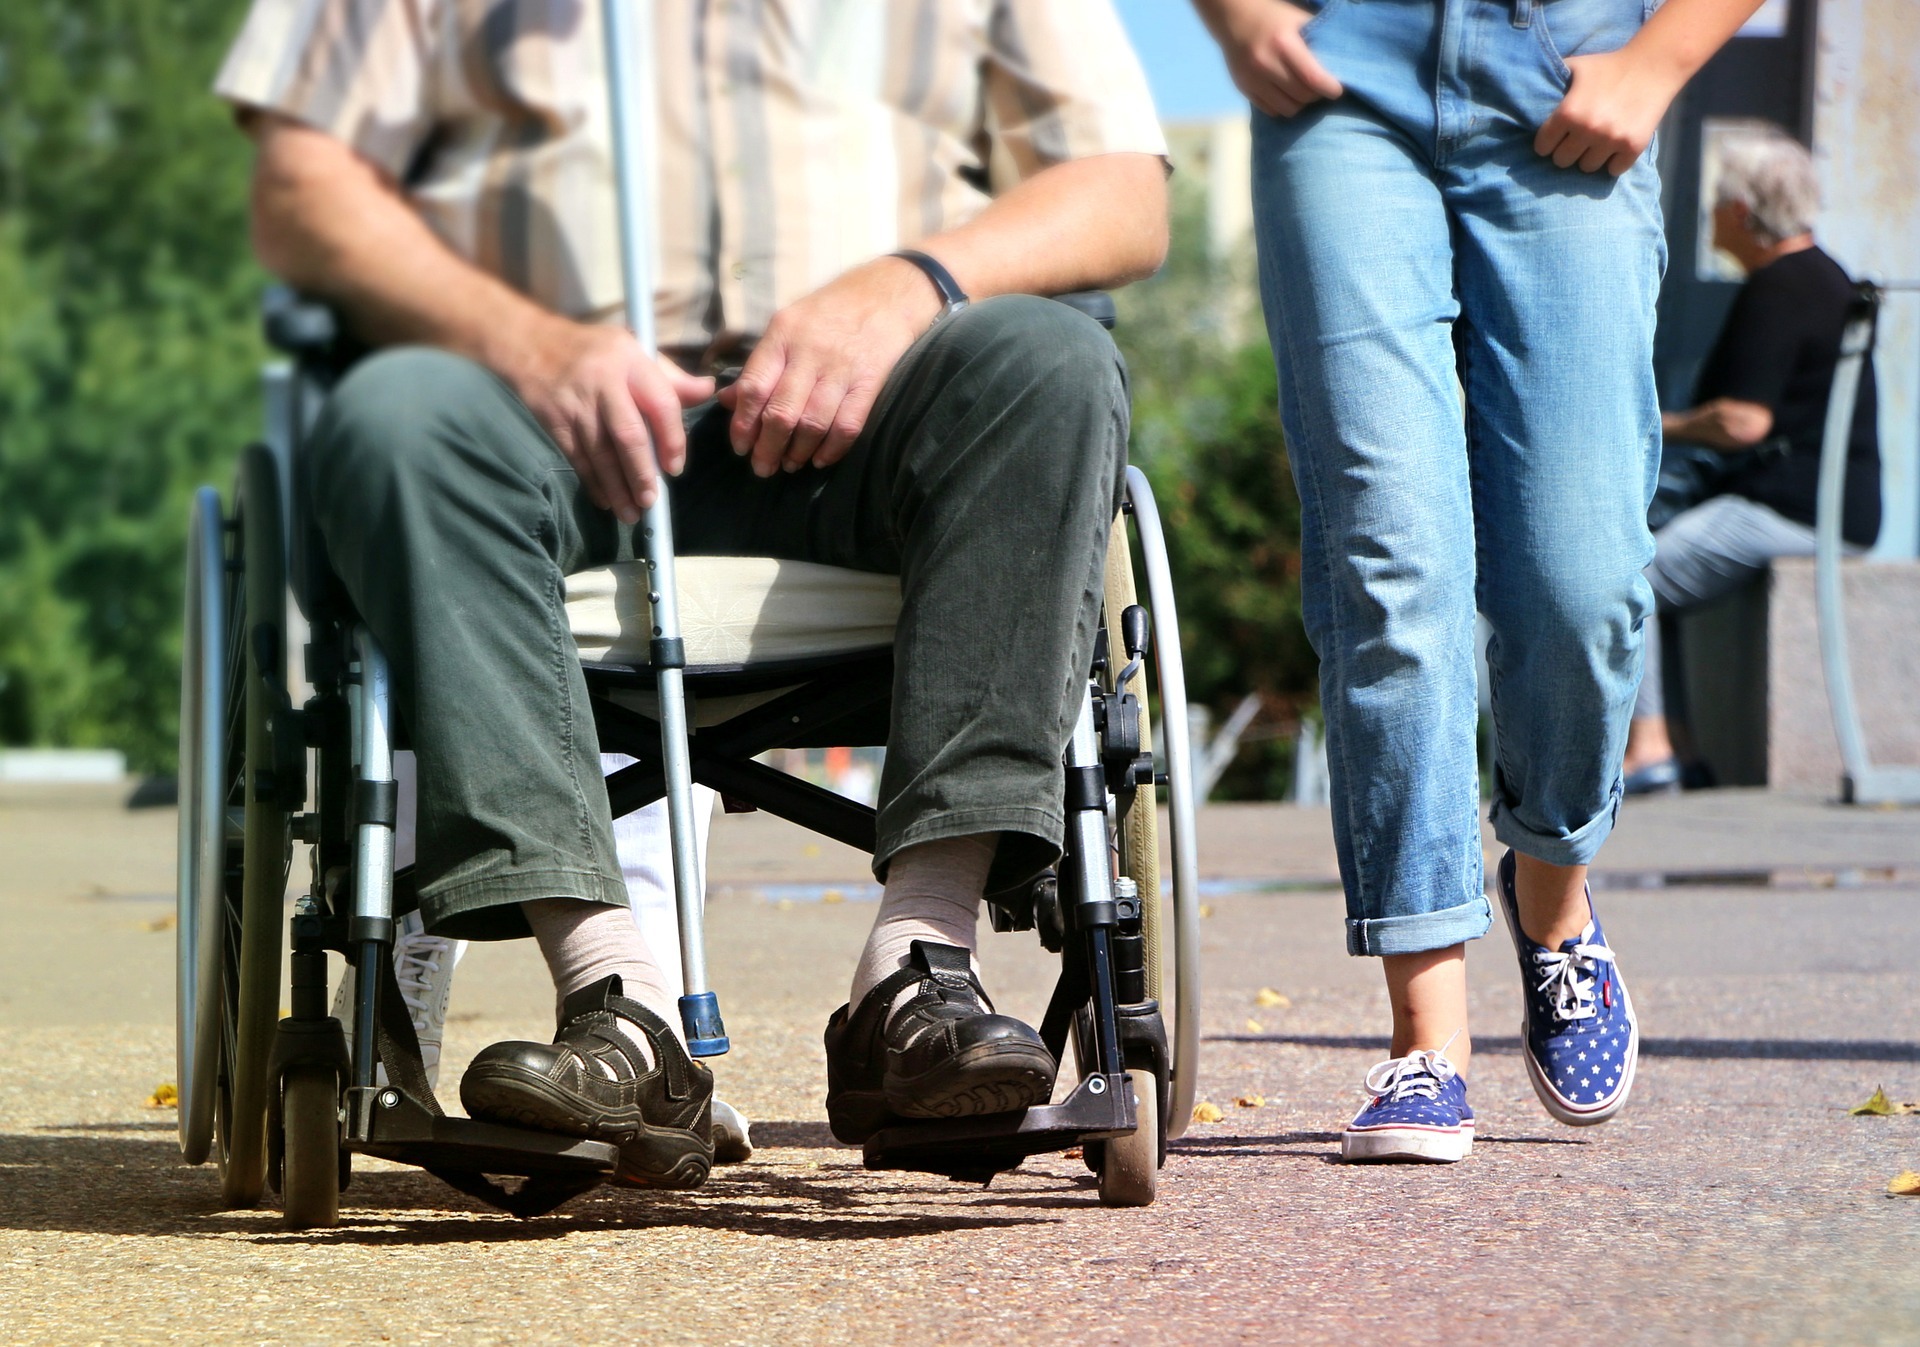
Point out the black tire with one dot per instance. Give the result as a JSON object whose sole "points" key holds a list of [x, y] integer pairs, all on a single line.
{"points": [[1130, 1165], [310, 1162], [252, 914]]}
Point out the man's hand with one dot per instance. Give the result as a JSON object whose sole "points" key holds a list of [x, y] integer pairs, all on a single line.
{"points": [[1609, 115], [614, 413], [1727, 424], [812, 380], [1268, 59]]}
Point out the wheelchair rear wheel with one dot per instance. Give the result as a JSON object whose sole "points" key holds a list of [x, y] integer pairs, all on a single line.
{"points": [[203, 823], [1128, 1166], [1177, 923], [230, 997]]}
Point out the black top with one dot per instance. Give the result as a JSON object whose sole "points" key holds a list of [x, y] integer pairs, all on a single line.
{"points": [[1779, 346]]}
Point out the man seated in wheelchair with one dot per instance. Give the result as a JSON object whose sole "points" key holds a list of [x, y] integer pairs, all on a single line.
{"points": [[442, 174]]}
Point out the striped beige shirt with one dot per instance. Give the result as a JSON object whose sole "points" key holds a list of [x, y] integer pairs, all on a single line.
{"points": [[797, 137]]}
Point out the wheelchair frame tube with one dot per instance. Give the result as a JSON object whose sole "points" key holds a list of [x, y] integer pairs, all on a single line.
{"points": [[628, 31], [372, 926], [1094, 911]]}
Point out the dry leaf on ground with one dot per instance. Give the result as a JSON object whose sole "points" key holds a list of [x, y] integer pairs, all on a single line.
{"points": [[1905, 1184], [1203, 1112], [1251, 1101], [165, 923], [164, 1096], [1882, 1107], [1269, 999], [1255, 1027], [1206, 909]]}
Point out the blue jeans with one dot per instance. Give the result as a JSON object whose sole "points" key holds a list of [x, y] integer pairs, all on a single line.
{"points": [[1409, 235]]}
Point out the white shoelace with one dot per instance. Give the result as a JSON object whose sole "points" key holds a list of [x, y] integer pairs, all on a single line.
{"points": [[1568, 976], [1423, 1074], [416, 967]]}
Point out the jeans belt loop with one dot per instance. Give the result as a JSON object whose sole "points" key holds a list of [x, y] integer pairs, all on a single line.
{"points": [[1522, 13]]}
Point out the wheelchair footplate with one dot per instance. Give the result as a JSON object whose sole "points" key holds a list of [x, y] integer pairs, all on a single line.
{"points": [[973, 1150], [472, 1156]]}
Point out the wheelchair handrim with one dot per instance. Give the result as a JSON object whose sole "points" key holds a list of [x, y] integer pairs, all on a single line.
{"points": [[202, 836], [1171, 670]]}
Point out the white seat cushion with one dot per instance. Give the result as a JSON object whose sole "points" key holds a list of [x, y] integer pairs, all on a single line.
{"points": [[736, 612]]}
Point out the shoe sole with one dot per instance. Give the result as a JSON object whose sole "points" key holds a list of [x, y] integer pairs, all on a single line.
{"points": [[1565, 1110], [1561, 1108], [650, 1157], [1417, 1145], [986, 1079]]}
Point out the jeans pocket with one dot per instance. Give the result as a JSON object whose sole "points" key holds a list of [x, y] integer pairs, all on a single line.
{"points": [[1585, 28], [1320, 16]]}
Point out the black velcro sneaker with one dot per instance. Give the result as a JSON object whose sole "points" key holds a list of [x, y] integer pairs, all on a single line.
{"points": [[591, 1082], [943, 1053]]}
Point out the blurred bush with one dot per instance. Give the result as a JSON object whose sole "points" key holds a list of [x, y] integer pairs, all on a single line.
{"points": [[1207, 434], [128, 355]]}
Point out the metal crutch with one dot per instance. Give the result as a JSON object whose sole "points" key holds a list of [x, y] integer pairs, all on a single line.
{"points": [[627, 28]]}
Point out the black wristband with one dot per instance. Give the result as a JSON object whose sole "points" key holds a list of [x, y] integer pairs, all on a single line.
{"points": [[952, 297]]}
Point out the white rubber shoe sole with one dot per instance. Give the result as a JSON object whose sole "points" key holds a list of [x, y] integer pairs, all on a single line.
{"points": [[1428, 1145]]}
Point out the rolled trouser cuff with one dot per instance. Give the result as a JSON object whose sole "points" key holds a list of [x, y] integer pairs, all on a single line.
{"points": [[1419, 932], [1578, 847], [1030, 839], [487, 907]]}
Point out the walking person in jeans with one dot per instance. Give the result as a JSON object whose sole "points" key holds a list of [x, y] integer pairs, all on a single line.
{"points": [[1466, 186], [1766, 381]]}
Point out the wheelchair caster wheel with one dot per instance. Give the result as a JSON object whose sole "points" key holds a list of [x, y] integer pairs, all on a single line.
{"points": [[1129, 1166], [310, 1177]]}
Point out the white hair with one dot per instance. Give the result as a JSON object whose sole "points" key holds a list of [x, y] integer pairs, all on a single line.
{"points": [[1771, 174]]}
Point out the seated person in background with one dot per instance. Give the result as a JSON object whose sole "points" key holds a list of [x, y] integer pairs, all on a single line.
{"points": [[1767, 378], [441, 174]]}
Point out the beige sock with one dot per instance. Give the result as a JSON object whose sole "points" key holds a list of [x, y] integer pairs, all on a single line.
{"points": [[933, 893], [583, 942]]}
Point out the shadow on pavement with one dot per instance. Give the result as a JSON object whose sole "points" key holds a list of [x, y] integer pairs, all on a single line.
{"points": [[119, 1185], [1775, 1049], [806, 1136]]}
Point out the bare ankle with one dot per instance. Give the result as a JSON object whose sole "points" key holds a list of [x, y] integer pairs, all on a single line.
{"points": [[1552, 900], [1428, 992]]}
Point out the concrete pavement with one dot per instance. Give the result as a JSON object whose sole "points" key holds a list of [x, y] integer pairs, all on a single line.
{"points": [[1771, 946]]}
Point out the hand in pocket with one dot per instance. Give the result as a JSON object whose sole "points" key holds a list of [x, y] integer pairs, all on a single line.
{"points": [[1268, 58]]}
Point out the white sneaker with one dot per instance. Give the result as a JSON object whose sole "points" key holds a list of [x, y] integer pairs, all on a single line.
{"points": [[423, 966], [732, 1141]]}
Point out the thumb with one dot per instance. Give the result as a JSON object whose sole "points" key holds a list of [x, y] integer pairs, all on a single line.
{"points": [[691, 389]]}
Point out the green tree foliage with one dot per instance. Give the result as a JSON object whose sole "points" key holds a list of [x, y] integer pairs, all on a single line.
{"points": [[1207, 434], [128, 354]]}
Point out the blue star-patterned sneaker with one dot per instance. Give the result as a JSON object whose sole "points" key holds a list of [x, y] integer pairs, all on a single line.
{"points": [[1418, 1112], [1582, 1041]]}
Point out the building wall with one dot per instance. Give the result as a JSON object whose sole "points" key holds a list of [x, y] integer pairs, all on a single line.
{"points": [[1867, 143]]}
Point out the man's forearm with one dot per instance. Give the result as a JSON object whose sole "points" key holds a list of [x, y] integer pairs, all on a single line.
{"points": [[328, 223], [1087, 224], [1722, 423]]}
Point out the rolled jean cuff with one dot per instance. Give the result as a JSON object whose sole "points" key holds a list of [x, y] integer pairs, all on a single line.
{"points": [[1575, 848], [1418, 932]]}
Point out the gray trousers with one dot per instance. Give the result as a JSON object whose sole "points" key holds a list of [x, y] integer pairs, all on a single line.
{"points": [[1713, 549], [987, 479]]}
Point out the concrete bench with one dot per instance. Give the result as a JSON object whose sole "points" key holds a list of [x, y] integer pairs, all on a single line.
{"points": [[1755, 700]]}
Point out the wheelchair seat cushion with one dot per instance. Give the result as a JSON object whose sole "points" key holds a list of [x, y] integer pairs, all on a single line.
{"points": [[736, 612]]}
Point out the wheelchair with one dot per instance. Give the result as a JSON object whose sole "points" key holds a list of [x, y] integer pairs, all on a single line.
{"points": [[779, 654]]}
